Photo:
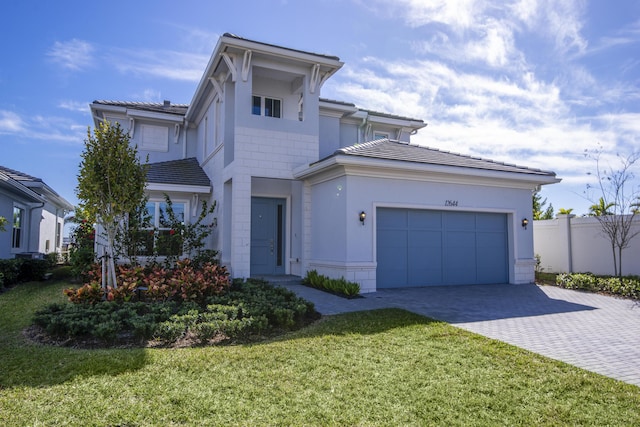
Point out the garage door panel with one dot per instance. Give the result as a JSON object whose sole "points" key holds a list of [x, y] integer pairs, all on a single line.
{"points": [[422, 247], [460, 221], [392, 219], [392, 257], [424, 220], [490, 222]]}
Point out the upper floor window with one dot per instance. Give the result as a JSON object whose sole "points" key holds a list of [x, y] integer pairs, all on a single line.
{"points": [[264, 106], [18, 227], [380, 135]]}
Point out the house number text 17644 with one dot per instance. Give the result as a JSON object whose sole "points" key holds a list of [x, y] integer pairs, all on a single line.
{"points": [[451, 203]]}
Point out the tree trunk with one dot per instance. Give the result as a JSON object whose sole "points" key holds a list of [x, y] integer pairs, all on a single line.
{"points": [[620, 263]]}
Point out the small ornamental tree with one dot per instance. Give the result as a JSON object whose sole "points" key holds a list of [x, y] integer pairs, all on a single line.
{"points": [[111, 184], [617, 203]]}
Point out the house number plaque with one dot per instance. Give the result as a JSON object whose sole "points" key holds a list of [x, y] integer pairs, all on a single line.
{"points": [[451, 203]]}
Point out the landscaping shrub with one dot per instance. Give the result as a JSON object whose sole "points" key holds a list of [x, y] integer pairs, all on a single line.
{"points": [[238, 312], [281, 307], [32, 269], [628, 286], [337, 286], [10, 269], [181, 283]]}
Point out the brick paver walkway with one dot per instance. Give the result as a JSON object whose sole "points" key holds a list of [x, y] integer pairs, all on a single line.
{"points": [[594, 332]]}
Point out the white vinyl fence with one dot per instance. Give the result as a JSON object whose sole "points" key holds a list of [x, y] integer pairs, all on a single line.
{"points": [[570, 244]]}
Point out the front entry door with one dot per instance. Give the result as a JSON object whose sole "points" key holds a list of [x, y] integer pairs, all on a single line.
{"points": [[267, 236]]}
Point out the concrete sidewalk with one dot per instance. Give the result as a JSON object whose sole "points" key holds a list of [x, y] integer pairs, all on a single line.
{"points": [[594, 332]]}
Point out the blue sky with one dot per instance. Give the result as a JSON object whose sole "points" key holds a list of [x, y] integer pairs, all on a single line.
{"points": [[529, 82]]}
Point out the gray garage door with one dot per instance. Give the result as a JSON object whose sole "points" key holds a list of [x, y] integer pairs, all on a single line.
{"points": [[424, 247]]}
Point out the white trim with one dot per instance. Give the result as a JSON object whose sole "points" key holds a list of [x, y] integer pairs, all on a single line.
{"points": [[153, 115], [178, 188], [385, 168]]}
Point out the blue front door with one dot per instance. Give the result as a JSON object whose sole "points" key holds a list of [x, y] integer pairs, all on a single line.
{"points": [[267, 236]]}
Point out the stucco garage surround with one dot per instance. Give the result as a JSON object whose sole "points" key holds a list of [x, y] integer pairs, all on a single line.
{"points": [[340, 245]]}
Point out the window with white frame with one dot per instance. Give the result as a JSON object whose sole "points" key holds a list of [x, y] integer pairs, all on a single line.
{"points": [[265, 106], [18, 228], [163, 239], [380, 135]]}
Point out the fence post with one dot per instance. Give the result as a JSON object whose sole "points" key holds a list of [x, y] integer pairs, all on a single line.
{"points": [[564, 237]]}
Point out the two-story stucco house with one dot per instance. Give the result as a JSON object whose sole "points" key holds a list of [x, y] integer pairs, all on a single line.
{"points": [[307, 183], [35, 215]]}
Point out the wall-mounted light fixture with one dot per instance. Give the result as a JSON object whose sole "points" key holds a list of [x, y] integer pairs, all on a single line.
{"points": [[362, 217], [525, 222]]}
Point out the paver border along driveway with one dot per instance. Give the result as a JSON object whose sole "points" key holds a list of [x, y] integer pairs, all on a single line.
{"points": [[594, 332]]}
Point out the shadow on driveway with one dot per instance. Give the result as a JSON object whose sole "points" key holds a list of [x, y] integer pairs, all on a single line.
{"points": [[474, 303]]}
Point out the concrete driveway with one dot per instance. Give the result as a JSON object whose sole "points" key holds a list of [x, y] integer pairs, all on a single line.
{"points": [[594, 332]]}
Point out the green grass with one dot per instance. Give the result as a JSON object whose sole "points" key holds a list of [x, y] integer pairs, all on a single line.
{"points": [[387, 367]]}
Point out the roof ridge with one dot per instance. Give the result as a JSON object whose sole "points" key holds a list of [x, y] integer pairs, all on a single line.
{"points": [[375, 149], [484, 159]]}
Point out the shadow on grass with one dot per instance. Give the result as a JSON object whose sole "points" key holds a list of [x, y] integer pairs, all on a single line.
{"points": [[25, 364], [41, 366], [370, 322]]}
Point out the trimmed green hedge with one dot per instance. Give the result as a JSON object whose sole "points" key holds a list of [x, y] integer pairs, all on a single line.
{"points": [[17, 270], [340, 286], [628, 286]]}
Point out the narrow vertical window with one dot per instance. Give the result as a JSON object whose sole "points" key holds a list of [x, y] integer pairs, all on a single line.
{"points": [[18, 226], [279, 236], [257, 106], [272, 107]]}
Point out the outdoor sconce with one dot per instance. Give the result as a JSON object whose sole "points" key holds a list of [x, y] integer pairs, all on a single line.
{"points": [[525, 222], [363, 215]]}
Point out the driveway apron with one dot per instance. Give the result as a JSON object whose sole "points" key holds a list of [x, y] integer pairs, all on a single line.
{"points": [[594, 332]]}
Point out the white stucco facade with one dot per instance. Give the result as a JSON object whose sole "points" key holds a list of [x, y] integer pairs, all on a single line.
{"points": [[263, 136]]}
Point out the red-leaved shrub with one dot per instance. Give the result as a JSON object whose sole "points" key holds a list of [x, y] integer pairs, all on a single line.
{"points": [[182, 283]]}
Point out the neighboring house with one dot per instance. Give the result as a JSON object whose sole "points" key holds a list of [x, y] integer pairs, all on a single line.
{"points": [[307, 183], [35, 215]]}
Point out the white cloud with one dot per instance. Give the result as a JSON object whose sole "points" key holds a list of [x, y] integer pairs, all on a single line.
{"points": [[148, 95], [10, 122], [77, 106], [73, 55], [50, 128], [171, 65]]}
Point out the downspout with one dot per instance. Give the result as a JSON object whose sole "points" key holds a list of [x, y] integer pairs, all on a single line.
{"points": [[31, 208], [362, 128], [185, 126]]}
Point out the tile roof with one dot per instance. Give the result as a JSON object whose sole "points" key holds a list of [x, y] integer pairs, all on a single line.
{"points": [[394, 150], [179, 172], [18, 176], [233, 36], [156, 107]]}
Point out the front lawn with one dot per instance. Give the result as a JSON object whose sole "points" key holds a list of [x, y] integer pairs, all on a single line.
{"points": [[386, 367]]}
